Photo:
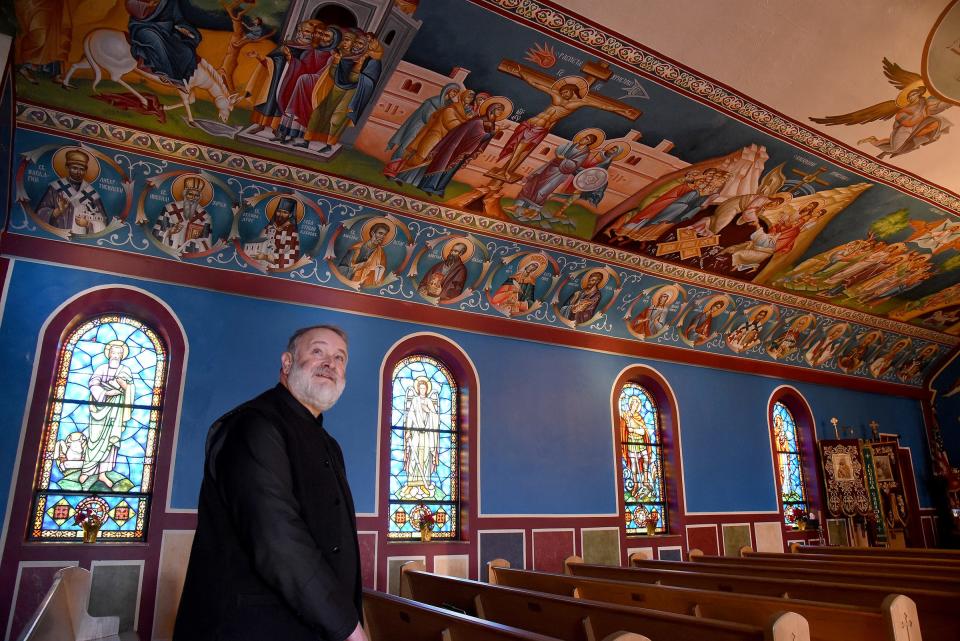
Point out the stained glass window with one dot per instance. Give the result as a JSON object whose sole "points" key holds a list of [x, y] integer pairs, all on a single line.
{"points": [[424, 450], [98, 452], [641, 461], [792, 493]]}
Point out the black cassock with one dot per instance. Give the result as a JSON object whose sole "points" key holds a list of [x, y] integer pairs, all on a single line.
{"points": [[275, 555]]}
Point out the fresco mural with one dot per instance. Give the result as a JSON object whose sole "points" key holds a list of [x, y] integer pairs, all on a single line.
{"points": [[242, 225], [532, 131]]}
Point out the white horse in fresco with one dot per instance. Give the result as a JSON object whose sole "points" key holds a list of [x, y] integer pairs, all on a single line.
{"points": [[108, 49]]}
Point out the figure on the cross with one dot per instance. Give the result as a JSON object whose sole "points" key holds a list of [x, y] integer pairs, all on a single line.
{"points": [[567, 94]]}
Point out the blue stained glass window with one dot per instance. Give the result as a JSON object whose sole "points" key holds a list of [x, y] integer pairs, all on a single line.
{"points": [[98, 452], [793, 496], [424, 450], [641, 461]]}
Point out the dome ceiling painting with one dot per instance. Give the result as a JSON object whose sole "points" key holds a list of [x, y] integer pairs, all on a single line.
{"points": [[531, 122]]}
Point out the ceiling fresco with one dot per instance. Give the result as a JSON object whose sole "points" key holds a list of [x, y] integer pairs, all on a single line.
{"points": [[488, 109]]}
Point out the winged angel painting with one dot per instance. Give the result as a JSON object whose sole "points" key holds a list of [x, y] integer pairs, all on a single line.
{"points": [[915, 112]]}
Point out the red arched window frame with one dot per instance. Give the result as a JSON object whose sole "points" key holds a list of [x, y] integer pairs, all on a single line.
{"points": [[802, 414], [151, 310], [460, 366], [668, 418]]}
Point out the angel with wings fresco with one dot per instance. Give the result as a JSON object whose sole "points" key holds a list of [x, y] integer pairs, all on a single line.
{"points": [[915, 113]]}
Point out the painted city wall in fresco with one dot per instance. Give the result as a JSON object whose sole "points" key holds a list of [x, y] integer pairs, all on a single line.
{"points": [[467, 104]]}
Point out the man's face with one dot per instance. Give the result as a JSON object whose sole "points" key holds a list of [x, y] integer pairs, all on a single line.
{"points": [[316, 373], [304, 34], [566, 93], [347, 43], [191, 195], [457, 251], [378, 235], [116, 353], [594, 281], [662, 300], [77, 171], [359, 46], [281, 216], [324, 38], [761, 315]]}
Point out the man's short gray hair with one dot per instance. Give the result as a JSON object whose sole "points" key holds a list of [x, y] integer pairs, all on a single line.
{"points": [[292, 343]]}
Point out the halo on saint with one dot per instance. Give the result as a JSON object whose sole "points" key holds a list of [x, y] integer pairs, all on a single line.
{"points": [[908, 89], [106, 349], [367, 230], [802, 322], [497, 100], [275, 202], [539, 259], [66, 156], [672, 292], [769, 309], [581, 85], [459, 240], [604, 277], [723, 299], [422, 380], [598, 134], [622, 150], [192, 181]]}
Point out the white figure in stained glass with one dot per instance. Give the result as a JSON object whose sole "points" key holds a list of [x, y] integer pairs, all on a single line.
{"points": [[68, 452], [111, 395], [421, 439], [636, 441]]}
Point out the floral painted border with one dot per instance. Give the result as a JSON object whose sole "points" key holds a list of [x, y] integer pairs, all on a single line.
{"points": [[47, 119]]}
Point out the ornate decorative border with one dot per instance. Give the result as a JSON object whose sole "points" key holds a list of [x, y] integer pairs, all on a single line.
{"points": [[48, 119], [645, 62]]}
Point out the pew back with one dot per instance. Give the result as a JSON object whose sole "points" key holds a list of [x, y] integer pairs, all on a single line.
{"points": [[891, 565], [828, 622], [579, 620], [390, 618]]}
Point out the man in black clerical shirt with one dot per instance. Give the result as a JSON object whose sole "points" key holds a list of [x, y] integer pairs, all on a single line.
{"points": [[275, 555]]}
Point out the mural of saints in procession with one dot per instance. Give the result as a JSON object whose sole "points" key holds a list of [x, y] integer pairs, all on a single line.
{"points": [[705, 318], [895, 355], [754, 325], [449, 268], [825, 343], [522, 283], [860, 352], [586, 295], [280, 232], [74, 192], [369, 251], [653, 313], [914, 366], [187, 215]]}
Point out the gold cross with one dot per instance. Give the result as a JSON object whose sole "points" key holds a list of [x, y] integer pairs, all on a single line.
{"points": [[687, 244], [834, 422], [875, 427]]}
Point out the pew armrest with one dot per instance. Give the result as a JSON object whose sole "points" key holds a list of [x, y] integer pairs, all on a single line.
{"points": [[787, 626], [900, 615]]}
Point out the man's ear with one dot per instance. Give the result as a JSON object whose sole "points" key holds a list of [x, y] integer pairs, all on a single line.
{"points": [[286, 362]]}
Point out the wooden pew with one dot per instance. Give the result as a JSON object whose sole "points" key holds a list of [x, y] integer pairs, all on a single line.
{"points": [[828, 621], [889, 565], [578, 620], [924, 553], [62, 615], [391, 618], [733, 565], [936, 609]]}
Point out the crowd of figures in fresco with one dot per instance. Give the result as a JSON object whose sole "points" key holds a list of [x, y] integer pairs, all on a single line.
{"points": [[100, 197], [331, 83]]}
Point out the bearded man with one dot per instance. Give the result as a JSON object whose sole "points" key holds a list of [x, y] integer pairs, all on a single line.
{"points": [[275, 555]]}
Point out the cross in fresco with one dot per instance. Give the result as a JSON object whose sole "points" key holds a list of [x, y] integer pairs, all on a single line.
{"points": [[807, 178], [567, 95], [688, 244]]}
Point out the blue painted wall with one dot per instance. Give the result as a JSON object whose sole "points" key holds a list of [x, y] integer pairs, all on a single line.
{"points": [[545, 426]]}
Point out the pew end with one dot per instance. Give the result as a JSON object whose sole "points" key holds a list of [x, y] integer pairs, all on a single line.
{"points": [[571, 560], [63, 612], [900, 613], [491, 572], [787, 626], [694, 553], [409, 566], [745, 550]]}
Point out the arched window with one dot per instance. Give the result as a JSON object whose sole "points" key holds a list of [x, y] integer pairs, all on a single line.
{"points": [[641, 460], [99, 447], [424, 449], [789, 463]]}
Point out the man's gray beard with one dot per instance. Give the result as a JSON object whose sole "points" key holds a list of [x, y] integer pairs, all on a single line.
{"points": [[189, 207], [306, 390]]}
